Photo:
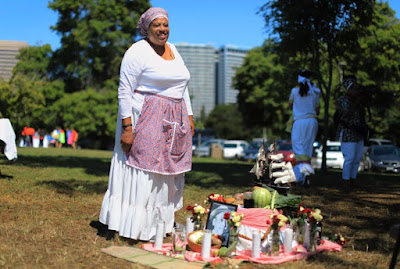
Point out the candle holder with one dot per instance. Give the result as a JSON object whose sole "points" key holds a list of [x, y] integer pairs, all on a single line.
{"points": [[179, 241]]}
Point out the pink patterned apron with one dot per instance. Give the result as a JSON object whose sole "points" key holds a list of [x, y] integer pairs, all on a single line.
{"points": [[162, 138]]}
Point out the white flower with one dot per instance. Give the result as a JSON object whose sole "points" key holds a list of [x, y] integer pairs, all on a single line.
{"points": [[199, 210]]}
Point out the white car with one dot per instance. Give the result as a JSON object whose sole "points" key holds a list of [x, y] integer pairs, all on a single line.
{"points": [[334, 156], [204, 149], [234, 149]]}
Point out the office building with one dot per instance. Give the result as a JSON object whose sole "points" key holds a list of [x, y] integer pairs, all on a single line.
{"points": [[230, 58], [8, 51], [201, 61]]}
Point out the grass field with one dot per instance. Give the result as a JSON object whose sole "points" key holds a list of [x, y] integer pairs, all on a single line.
{"points": [[50, 200]]}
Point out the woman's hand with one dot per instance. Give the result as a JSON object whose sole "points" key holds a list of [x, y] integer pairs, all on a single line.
{"points": [[126, 139], [127, 135], [191, 122]]}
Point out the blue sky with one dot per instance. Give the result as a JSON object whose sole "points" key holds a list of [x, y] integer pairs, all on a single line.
{"points": [[216, 22]]}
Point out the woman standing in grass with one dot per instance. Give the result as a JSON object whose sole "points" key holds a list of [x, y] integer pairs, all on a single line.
{"points": [[304, 100], [154, 135], [352, 129]]}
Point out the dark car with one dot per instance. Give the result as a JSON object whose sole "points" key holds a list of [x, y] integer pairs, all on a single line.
{"points": [[251, 153], [385, 158], [286, 149]]}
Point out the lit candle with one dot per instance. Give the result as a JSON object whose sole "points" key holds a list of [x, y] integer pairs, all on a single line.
{"points": [[189, 225], [206, 245], [287, 243], [256, 246], [159, 235]]}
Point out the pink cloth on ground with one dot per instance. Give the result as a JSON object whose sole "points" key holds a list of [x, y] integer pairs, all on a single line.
{"points": [[256, 217], [166, 247], [299, 252], [196, 256]]}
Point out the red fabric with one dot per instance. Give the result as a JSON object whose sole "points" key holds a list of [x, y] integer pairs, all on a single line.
{"points": [[28, 131], [74, 135]]}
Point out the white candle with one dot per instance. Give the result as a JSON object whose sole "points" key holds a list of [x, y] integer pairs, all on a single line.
{"points": [[189, 225], [306, 235], [206, 245], [287, 243], [256, 246], [159, 235]]}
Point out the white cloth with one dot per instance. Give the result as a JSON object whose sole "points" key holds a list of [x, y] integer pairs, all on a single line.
{"points": [[144, 70], [45, 142], [304, 132], [7, 135], [135, 200], [304, 106]]}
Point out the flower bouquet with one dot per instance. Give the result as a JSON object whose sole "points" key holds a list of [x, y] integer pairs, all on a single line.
{"points": [[308, 227], [198, 212], [276, 222]]}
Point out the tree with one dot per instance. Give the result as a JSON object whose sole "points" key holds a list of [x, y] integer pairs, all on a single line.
{"points": [[376, 65], [262, 89], [92, 113], [318, 31], [227, 122], [94, 37], [33, 62]]}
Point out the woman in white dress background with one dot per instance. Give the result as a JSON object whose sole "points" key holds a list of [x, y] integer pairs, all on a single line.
{"points": [[304, 100]]}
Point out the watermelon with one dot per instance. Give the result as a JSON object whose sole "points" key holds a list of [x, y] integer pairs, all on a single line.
{"points": [[262, 197]]}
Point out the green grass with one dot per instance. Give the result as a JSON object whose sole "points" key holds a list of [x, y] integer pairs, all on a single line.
{"points": [[50, 200]]}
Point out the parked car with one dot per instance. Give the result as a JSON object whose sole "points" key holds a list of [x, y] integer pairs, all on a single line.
{"points": [[234, 149], [204, 149], [286, 149], [377, 141], [334, 156], [251, 153], [384, 158]]}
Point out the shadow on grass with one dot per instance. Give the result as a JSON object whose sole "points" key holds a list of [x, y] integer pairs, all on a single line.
{"points": [[102, 230], [2, 176], [92, 166], [70, 186], [208, 175]]}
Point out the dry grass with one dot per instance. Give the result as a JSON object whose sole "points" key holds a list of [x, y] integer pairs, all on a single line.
{"points": [[50, 200]]}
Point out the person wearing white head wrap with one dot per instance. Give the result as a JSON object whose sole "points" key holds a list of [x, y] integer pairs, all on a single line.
{"points": [[153, 140], [304, 101]]}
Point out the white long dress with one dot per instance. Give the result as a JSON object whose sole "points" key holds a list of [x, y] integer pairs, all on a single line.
{"points": [[135, 200]]}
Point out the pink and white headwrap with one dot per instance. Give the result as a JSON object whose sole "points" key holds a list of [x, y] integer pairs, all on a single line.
{"points": [[147, 17]]}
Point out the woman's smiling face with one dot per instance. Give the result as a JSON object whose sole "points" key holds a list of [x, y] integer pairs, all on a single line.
{"points": [[158, 31]]}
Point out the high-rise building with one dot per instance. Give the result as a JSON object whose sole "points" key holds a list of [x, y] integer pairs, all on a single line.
{"points": [[201, 61], [8, 51], [230, 58]]}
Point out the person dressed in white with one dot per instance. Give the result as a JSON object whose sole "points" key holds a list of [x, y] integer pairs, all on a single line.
{"points": [[153, 137], [304, 101]]}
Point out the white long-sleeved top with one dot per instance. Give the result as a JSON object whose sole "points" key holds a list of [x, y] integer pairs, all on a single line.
{"points": [[304, 106], [144, 70]]}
